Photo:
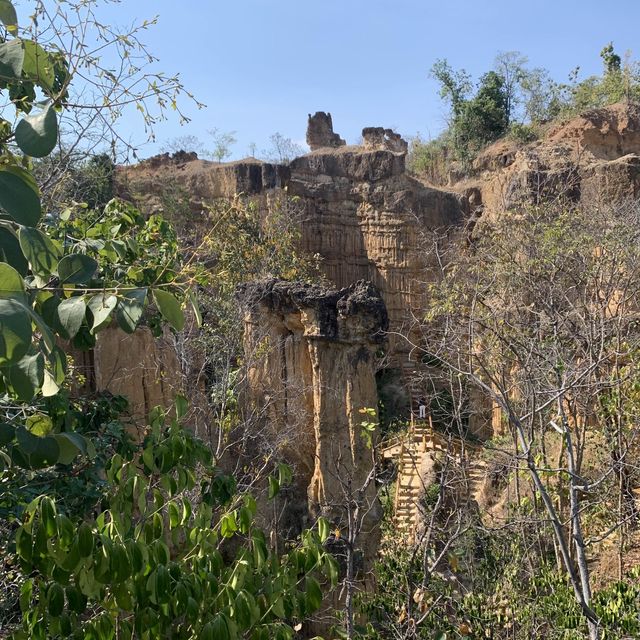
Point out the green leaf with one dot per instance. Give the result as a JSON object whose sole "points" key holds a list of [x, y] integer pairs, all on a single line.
{"points": [[49, 386], [38, 65], [38, 249], [55, 596], [331, 569], [48, 517], [120, 564], [11, 283], [101, 307], [15, 332], [245, 519], [8, 16], [47, 334], [76, 268], [66, 628], [26, 441], [313, 593], [57, 364], [193, 610], [70, 313], [182, 406], [169, 308], [11, 59], [71, 445], [19, 196], [76, 599], [228, 525], [220, 628], [323, 529], [45, 454], [274, 487], [277, 606], [174, 515], [130, 309], [39, 424], [26, 376], [163, 583], [37, 135], [246, 609], [11, 253], [207, 632], [7, 433], [285, 474]]}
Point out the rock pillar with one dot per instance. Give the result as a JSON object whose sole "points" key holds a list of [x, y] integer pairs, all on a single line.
{"points": [[311, 362]]}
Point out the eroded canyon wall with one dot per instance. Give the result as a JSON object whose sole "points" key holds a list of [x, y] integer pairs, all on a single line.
{"points": [[592, 160], [368, 219], [143, 368], [362, 213]]}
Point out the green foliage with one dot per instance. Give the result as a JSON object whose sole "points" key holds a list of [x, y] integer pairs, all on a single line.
{"points": [[620, 81], [508, 595], [85, 270], [68, 177], [369, 425], [475, 121], [454, 85], [77, 483], [523, 133], [526, 279], [174, 553], [63, 275]]}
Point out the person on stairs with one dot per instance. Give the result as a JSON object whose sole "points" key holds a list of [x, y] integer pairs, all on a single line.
{"points": [[422, 409]]}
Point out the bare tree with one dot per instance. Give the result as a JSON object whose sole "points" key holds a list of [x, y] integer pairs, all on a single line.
{"points": [[282, 150], [541, 316]]}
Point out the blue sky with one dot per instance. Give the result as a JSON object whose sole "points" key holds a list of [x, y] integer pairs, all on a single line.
{"points": [[260, 66]]}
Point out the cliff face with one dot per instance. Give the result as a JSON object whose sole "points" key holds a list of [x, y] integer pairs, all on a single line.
{"points": [[201, 180], [591, 159], [139, 366], [363, 215], [366, 218], [311, 360]]}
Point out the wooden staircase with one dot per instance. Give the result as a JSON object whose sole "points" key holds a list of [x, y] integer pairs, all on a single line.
{"points": [[410, 451]]}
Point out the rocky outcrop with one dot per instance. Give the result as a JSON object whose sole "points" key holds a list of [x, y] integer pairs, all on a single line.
{"points": [[139, 366], [380, 138], [591, 159], [152, 181], [320, 132], [363, 214], [604, 134], [311, 363]]}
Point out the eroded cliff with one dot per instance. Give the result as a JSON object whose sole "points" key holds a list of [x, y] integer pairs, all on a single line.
{"points": [[592, 159]]}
